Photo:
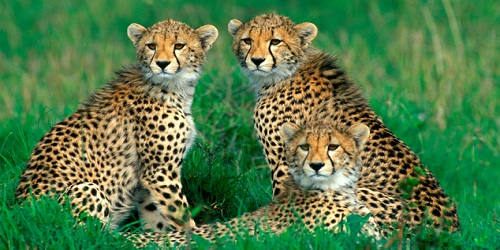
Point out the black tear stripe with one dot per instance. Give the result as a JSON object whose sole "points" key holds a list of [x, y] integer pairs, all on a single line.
{"points": [[176, 36], [151, 61], [331, 162], [270, 52], [303, 162], [329, 157], [248, 53], [177, 59]]}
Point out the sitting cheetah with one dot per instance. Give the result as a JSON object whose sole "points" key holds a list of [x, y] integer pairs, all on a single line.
{"points": [[324, 163], [126, 144], [297, 83]]}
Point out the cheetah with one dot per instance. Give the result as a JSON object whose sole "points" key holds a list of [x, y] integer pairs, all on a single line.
{"points": [[295, 82], [324, 163], [123, 148]]}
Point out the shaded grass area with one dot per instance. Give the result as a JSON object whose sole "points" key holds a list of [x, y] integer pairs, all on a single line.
{"points": [[430, 69]]}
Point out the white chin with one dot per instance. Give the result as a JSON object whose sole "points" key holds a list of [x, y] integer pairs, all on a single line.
{"points": [[318, 178], [164, 75], [261, 73]]}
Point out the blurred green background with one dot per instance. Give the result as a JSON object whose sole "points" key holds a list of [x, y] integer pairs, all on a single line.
{"points": [[430, 69]]}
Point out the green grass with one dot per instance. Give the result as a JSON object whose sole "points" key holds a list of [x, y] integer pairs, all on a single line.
{"points": [[431, 70]]}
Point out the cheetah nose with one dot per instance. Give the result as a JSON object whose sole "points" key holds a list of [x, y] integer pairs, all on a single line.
{"points": [[316, 166], [162, 64], [258, 61]]}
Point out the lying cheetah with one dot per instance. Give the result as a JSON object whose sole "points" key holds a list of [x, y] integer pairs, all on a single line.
{"points": [[126, 144], [297, 83], [325, 164], [326, 170]]}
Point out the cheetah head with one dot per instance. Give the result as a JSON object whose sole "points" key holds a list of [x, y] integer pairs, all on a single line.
{"points": [[270, 47], [320, 156], [171, 51]]}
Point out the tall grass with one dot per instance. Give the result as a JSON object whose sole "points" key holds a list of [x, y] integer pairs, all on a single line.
{"points": [[430, 69]]}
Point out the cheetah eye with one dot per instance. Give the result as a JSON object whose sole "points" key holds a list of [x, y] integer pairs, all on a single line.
{"points": [[304, 147], [179, 46], [332, 147], [151, 46], [275, 41], [247, 40]]}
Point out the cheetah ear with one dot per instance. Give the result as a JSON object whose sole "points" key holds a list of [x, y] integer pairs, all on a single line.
{"points": [[288, 130], [207, 34], [360, 133], [307, 32], [135, 32], [233, 26]]}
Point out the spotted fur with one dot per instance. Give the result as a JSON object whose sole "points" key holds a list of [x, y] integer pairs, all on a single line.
{"points": [[297, 83], [124, 147], [314, 205]]}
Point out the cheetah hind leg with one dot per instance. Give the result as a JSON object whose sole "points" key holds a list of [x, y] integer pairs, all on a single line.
{"points": [[87, 198]]}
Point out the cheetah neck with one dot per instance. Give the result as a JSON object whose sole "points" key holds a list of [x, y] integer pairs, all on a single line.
{"points": [[260, 81], [177, 82], [173, 89], [181, 84]]}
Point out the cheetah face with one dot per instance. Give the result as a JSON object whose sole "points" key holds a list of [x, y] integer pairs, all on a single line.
{"points": [[269, 48], [323, 157], [171, 51]]}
